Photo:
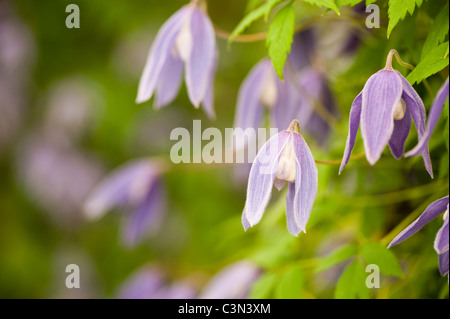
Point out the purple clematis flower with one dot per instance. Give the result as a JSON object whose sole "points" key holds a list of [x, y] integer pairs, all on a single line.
{"points": [[188, 39], [441, 243], [135, 186], [384, 108], [435, 112], [233, 282], [285, 158]]}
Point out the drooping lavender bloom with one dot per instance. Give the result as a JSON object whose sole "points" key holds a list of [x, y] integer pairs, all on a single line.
{"points": [[233, 282], [150, 282], [384, 108], [435, 112], [441, 243], [188, 39], [136, 186], [285, 158]]}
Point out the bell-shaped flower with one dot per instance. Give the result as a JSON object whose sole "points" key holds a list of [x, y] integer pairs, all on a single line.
{"points": [[384, 108], [186, 39], [233, 282], [284, 159], [441, 243], [435, 112], [135, 187]]}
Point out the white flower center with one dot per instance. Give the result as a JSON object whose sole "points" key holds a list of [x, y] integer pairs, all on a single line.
{"points": [[269, 92], [183, 42], [399, 110], [286, 166]]}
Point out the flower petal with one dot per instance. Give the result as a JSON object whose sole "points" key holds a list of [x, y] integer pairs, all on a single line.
{"points": [[160, 50], [443, 263], [415, 105], [208, 101], [400, 134], [128, 185], [201, 58], [432, 211], [441, 241], [381, 93], [261, 178], [146, 217], [355, 117], [169, 81], [306, 182], [435, 112]]}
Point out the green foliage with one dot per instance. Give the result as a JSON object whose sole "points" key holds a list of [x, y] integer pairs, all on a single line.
{"points": [[336, 257], [375, 253], [264, 287], [341, 3], [290, 284], [247, 20], [330, 4], [398, 9], [437, 34], [279, 37], [432, 63], [352, 283]]}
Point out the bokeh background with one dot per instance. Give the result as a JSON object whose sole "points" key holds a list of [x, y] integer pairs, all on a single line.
{"points": [[68, 118]]}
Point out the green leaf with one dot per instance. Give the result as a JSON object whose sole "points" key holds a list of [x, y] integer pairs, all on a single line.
{"points": [[375, 253], [434, 62], [352, 283], [437, 33], [248, 19], [369, 2], [341, 3], [264, 286], [330, 4], [279, 37], [337, 256], [291, 284], [269, 6], [252, 4], [398, 9]]}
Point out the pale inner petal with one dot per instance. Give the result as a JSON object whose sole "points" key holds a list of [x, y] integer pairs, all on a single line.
{"points": [[183, 42], [269, 93], [286, 165], [399, 110]]}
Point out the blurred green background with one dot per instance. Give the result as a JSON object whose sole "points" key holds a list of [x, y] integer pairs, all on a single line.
{"points": [[99, 65]]}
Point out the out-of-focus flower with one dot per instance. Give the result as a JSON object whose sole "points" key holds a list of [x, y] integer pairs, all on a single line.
{"points": [[57, 176], [233, 282], [285, 158], [16, 59], [188, 39], [136, 187], [435, 112], [73, 104], [149, 282], [441, 243], [384, 108]]}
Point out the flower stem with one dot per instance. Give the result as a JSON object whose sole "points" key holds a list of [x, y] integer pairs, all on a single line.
{"points": [[392, 53]]}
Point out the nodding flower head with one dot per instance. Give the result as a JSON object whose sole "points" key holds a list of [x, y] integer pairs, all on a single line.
{"points": [[186, 39], [435, 112], [135, 187], [384, 108], [284, 159], [441, 243]]}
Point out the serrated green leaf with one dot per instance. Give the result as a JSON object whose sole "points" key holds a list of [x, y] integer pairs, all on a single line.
{"points": [[330, 4], [337, 256], [264, 286], [279, 37], [252, 4], [434, 62], [352, 283], [248, 19], [369, 2], [341, 3], [375, 253], [398, 9], [269, 6], [291, 284], [437, 33]]}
